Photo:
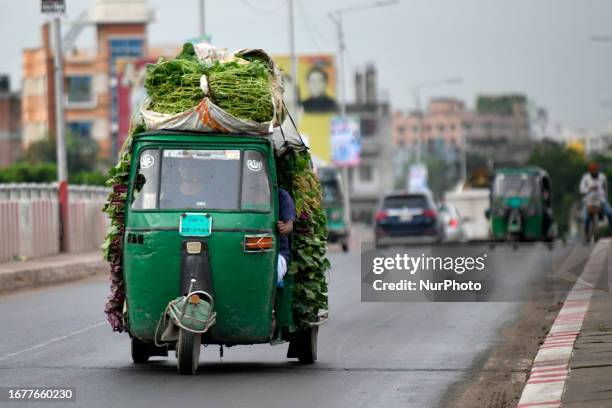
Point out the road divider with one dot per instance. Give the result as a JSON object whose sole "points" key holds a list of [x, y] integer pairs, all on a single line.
{"points": [[550, 368], [49, 270]]}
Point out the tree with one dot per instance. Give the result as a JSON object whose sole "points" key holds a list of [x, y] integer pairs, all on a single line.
{"points": [[565, 167], [81, 153]]}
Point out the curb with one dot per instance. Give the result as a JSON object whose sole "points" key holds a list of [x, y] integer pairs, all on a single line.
{"points": [[51, 273], [550, 368]]}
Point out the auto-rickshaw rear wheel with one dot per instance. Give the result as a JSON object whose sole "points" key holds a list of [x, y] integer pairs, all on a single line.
{"points": [[303, 346], [141, 351], [188, 352]]}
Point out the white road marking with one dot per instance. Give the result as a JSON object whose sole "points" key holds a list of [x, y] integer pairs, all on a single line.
{"points": [[54, 340]]}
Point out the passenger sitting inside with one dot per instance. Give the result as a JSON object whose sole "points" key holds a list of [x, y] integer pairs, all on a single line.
{"points": [[286, 215]]}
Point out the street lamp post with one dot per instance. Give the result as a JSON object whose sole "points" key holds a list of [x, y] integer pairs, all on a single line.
{"points": [[202, 18], [336, 18], [56, 9], [293, 57]]}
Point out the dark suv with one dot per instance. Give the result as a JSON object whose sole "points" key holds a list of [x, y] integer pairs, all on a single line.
{"points": [[410, 218]]}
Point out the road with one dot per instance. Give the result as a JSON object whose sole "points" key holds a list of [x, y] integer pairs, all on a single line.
{"points": [[370, 354]]}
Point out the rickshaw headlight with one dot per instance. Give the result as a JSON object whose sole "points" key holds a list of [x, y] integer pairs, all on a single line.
{"points": [[335, 215], [258, 243]]}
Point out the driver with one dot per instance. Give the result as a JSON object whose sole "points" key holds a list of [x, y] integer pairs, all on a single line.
{"points": [[286, 215], [595, 184]]}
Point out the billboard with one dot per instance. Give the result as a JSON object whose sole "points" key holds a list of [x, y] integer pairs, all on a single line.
{"points": [[316, 88], [345, 141]]}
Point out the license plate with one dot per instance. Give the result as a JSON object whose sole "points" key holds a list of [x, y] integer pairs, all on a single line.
{"points": [[406, 217], [195, 225]]}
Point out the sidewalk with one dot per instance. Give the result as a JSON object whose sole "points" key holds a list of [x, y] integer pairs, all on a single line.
{"points": [[573, 367], [50, 269], [589, 383]]}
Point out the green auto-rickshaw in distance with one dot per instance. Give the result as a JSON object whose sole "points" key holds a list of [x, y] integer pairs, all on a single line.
{"points": [[521, 205], [334, 204], [200, 248]]}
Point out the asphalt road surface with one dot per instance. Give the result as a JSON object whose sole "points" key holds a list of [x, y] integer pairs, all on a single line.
{"points": [[370, 354]]}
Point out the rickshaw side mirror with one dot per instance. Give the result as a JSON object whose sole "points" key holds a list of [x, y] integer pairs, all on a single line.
{"points": [[487, 213]]}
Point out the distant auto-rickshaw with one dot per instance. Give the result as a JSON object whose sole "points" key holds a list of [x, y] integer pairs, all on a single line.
{"points": [[334, 203], [521, 205]]}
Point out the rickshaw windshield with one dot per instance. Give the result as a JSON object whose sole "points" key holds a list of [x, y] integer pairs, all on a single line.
{"points": [[514, 185], [331, 192], [202, 179]]}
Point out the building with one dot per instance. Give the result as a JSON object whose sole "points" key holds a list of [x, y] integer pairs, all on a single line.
{"points": [[373, 178], [498, 129], [91, 108], [441, 123], [10, 123]]}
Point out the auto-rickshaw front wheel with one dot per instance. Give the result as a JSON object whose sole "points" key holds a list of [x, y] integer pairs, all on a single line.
{"points": [[188, 352]]}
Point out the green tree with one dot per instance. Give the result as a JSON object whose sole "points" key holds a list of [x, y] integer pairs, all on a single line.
{"points": [[29, 173], [81, 153], [565, 167]]}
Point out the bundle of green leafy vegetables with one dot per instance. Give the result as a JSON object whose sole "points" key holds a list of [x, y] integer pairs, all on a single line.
{"points": [[309, 263], [242, 87], [113, 245]]}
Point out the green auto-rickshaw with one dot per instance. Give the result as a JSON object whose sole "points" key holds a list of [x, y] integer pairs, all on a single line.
{"points": [[334, 204], [521, 205], [200, 250]]}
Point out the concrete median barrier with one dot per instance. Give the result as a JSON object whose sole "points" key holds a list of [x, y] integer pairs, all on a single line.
{"points": [[50, 270]]}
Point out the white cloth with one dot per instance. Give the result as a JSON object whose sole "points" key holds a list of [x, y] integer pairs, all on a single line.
{"points": [[597, 186], [281, 268]]}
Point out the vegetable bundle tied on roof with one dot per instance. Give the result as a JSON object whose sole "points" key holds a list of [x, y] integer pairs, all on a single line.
{"points": [[241, 87]]}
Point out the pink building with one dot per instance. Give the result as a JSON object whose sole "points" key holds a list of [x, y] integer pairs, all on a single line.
{"points": [[502, 136], [442, 121]]}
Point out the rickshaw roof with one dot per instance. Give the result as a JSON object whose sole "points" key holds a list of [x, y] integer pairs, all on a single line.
{"points": [[530, 170], [184, 135]]}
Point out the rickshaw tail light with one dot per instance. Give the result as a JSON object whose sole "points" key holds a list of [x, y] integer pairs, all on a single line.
{"points": [[258, 243]]}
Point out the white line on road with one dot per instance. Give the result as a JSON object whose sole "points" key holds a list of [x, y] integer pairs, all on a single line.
{"points": [[54, 340]]}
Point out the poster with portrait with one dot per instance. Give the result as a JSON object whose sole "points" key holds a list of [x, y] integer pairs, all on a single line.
{"points": [[316, 96], [345, 141]]}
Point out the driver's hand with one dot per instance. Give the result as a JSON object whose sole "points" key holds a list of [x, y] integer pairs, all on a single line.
{"points": [[284, 228]]}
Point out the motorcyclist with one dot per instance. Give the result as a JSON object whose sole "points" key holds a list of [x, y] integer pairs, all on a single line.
{"points": [[594, 184]]}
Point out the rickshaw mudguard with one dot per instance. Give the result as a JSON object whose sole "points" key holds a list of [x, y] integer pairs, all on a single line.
{"points": [[284, 311]]}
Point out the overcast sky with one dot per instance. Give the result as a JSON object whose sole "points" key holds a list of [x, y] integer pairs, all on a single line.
{"points": [[538, 47]]}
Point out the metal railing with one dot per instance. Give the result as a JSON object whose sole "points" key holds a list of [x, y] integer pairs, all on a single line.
{"points": [[30, 219]]}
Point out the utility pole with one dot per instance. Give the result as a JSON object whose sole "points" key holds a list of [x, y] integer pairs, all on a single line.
{"points": [[336, 18], [60, 136], [57, 8], [293, 57], [202, 18]]}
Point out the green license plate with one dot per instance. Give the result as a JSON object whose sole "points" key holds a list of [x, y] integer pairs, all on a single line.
{"points": [[195, 225]]}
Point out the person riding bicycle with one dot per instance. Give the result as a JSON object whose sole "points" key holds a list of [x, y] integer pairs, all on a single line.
{"points": [[594, 186]]}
